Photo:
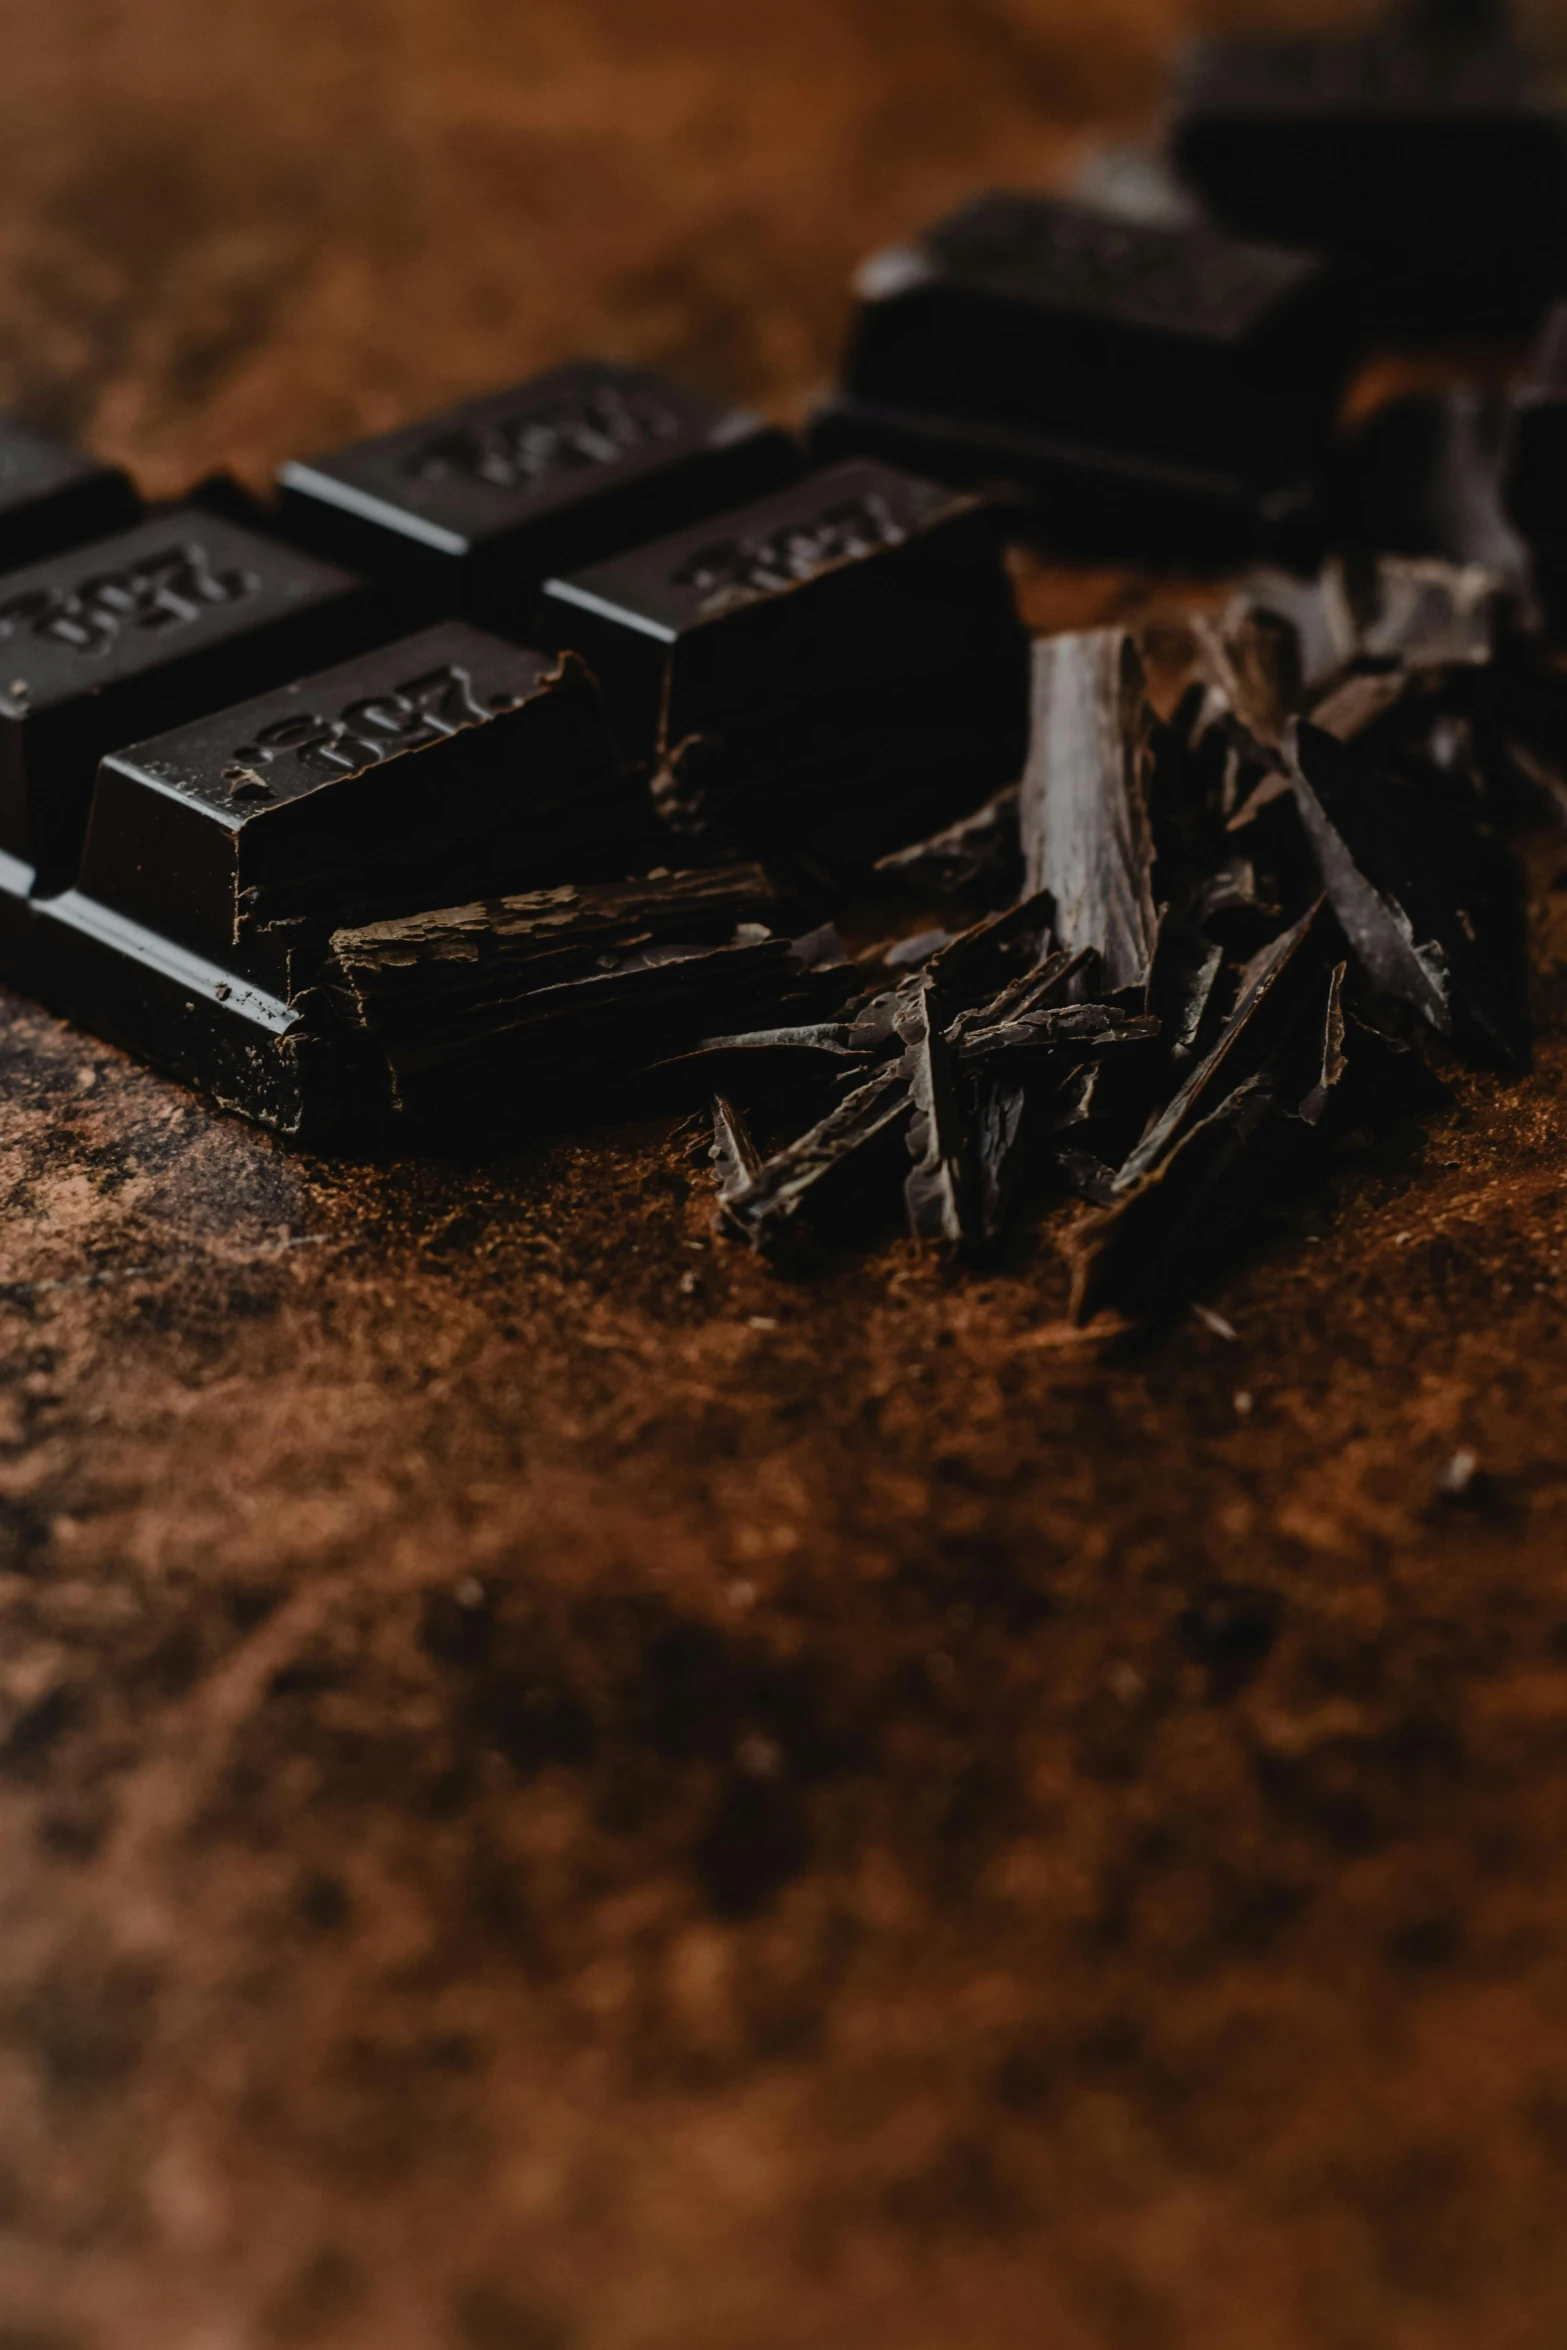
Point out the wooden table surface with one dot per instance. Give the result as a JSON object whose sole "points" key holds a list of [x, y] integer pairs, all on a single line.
{"points": [[560, 1792]]}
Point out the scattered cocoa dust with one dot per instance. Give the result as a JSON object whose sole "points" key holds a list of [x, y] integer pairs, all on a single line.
{"points": [[563, 1793]]}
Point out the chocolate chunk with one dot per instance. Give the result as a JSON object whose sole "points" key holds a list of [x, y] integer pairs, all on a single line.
{"points": [[444, 765], [1087, 839], [1424, 894], [166, 621], [563, 983], [52, 497], [827, 666], [1162, 388], [470, 510], [1419, 152]]}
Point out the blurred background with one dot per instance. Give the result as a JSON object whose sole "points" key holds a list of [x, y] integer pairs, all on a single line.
{"points": [[231, 233]]}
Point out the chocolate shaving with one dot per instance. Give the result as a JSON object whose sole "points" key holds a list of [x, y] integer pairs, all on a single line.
{"points": [[936, 1187], [980, 852], [1087, 839], [736, 1160], [1416, 890], [795, 1178]]}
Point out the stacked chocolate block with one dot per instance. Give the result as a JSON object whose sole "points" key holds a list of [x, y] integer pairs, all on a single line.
{"points": [[469, 661], [534, 747]]}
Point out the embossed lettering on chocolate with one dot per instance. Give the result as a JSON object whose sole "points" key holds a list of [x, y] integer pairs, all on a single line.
{"points": [[469, 510], [51, 496], [1160, 384], [837, 659], [158, 625], [447, 766]]}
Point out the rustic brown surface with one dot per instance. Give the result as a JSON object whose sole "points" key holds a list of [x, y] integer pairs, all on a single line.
{"points": [[559, 1793]]}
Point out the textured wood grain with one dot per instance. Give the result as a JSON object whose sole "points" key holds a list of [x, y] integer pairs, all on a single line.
{"points": [[562, 1791]]}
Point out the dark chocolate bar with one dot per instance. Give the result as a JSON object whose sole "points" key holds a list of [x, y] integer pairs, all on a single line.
{"points": [[51, 496], [447, 766], [470, 510], [1156, 386], [153, 627], [1419, 151], [846, 651]]}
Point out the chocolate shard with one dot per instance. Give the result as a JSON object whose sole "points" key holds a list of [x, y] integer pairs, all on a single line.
{"points": [[1158, 386], [468, 511], [736, 1160], [1154, 1237], [1158, 1236], [1182, 990], [830, 1041], [1423, 895], [1087, 838], [1424, 159], [1424, 476], [980, 852], [1055, 980], [823, 669], [805, 1174], [1334, 1064], [440, 766], [1252, 659], [976, 958], [1534, 472], [936, 1189], [105, 645], [53, 497], [1424, 613], [1314, 607], [999, 1131], [1075, 1028], [1360, 704], [1269, 994]]}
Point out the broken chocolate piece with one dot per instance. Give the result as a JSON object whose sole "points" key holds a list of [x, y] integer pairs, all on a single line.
{"points": [[1155, 1238], [823, 667], [470, 510], [1252, 659], [445, 764], [1423, 476], [165, 622], [1078, 1028], [1424, 896], [998, 1149], [804, 1175], [935, 1190], [736, 1160], [1159, 1229], [52, 497], [568, 981], [1425, 613], [1268, 993], [1087, 839], [1163, 388], [979, 853], [1422, 156]]}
